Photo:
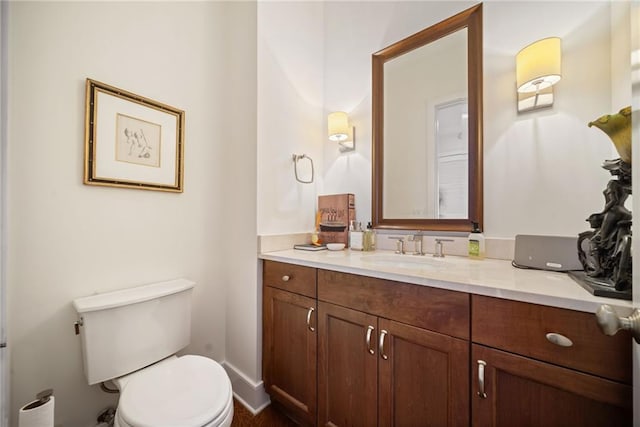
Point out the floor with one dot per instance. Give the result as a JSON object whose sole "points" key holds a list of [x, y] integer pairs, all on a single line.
{"points": [[268, 417]]}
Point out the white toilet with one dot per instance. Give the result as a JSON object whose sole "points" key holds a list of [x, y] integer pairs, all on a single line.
{"points": [[131, 336]]}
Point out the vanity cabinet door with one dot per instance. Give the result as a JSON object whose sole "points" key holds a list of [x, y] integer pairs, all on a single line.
{"points": [[423, 377], [526, 392], [289, 352], [347, 363]]}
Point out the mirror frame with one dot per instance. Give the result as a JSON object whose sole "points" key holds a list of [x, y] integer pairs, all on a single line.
{"points": [[472, 20]]}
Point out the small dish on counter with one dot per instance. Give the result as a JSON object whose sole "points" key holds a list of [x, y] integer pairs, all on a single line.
{"points": [[335, 246]]}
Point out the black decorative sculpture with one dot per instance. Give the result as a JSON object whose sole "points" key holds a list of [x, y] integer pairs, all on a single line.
{"points": [[605, 251]]}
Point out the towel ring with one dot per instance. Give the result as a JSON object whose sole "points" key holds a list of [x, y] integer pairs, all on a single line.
{"points": [[296, 159]]}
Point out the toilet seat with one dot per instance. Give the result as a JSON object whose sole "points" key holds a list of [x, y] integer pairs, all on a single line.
{"points": [[184, 391]]}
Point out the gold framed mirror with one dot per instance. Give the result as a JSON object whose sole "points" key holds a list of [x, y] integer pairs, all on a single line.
{"points": [[427, 128]]}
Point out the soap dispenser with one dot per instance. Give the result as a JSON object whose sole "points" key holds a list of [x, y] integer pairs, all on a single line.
{"points": [[356, 236], [369, 238], [476, 242]]}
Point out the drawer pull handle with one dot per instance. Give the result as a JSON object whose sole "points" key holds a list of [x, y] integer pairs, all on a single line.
{"points": [[559, 339], [309, 313], [481, 365], [383, 334], [285, 278], [370, 329]]}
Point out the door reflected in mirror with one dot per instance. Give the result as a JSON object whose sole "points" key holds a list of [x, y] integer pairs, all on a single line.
{"points": [[450, 161], [427, 115]]}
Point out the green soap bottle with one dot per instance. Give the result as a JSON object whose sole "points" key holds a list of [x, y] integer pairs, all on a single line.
{"points": [[369, 238], [476, 242]]}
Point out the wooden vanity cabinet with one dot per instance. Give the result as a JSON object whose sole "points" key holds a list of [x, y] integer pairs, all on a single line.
{"points": [[376, 367], [521, 377], [289, 359], [385, 353]]}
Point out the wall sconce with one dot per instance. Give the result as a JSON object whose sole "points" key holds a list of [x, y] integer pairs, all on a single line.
{"points": [[538, 68], [341, 132]]}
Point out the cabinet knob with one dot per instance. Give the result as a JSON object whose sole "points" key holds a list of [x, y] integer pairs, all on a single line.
{"points": [[610, 322], [285, 278]]}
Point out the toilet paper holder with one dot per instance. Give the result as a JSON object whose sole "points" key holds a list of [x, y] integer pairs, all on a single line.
{"points": [[43, 397]]}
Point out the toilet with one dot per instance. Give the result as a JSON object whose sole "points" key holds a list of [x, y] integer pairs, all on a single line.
{"points": [[131, 337]]}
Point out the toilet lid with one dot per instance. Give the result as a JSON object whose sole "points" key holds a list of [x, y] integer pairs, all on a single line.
{"points": [[186, 391]]}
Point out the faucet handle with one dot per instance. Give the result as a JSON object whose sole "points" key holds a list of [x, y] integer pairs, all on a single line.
{"points": [[415, 236], [439, 252], [417, 243], [399, 244]]}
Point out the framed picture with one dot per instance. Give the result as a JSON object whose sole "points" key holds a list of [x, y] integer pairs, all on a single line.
{"points": [[132, 141]]}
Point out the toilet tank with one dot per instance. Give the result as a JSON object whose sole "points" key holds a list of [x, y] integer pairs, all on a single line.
{"points": [[125, 330]]}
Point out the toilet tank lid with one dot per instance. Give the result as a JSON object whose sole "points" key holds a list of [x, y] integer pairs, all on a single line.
{"points": [[128, 296]]}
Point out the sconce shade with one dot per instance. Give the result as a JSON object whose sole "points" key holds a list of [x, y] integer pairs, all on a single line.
{"points": [[538, 65], [338, 126]]}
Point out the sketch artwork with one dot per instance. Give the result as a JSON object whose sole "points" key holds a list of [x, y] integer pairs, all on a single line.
{"points": [[137, 141]]}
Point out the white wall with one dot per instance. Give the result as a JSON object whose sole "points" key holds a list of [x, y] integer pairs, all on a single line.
{"points": [[620, 61], [290, 113], [4, 353], [353, 32], [235, 237], [314, 58], [68, 240], [542, 169]]}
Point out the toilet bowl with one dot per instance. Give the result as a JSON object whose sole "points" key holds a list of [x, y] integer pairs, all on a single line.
{"points": [[181, 391], [131, 336]]}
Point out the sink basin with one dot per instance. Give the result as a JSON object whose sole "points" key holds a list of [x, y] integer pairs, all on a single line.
{"points": [[404, 261]]}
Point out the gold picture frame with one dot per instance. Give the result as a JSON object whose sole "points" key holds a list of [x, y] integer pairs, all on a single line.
{"points": [[132, 141]]}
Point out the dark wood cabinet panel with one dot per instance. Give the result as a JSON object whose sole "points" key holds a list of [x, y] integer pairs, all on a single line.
{"points": [[346, 350], [290, 277], [521, 328], [528, 393], [347, 377], [438, 310], [424, 379], [290, 352]]}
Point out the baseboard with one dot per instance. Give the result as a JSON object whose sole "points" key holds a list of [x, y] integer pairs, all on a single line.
{"points": [[246, 391]]}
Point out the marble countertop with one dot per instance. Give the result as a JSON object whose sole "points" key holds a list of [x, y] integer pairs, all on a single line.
{"points": [[490, 277]]}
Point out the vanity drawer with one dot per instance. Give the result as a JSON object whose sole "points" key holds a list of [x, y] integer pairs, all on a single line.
{"points": [[290, 277], [429, 308], [522, 328]]}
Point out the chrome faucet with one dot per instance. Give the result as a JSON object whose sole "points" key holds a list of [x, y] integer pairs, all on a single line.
{"points": [[439, 252], [417, 243], [399, 244]]}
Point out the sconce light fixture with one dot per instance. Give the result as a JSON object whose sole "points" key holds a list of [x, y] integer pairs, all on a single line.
{"points": [[538, 68], [341, 132]]}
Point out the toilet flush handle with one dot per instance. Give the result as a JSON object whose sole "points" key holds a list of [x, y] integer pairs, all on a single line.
{"points": [[76, 326]]}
